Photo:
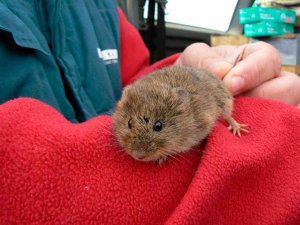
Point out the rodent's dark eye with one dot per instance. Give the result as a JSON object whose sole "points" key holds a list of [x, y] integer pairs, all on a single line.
{"points": [[157, 126], [129, 123]]}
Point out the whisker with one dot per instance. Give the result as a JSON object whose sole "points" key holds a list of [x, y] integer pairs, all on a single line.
{"points": [[120, 150], [175, 158], [118, 154], [110, 145], [106, 129], [179, 155], [169, 154]]}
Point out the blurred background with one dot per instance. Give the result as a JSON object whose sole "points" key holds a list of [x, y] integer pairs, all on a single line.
{"points": [[167, 27]]}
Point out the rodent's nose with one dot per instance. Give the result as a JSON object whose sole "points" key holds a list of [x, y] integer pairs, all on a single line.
{"points": [[141, 157]]}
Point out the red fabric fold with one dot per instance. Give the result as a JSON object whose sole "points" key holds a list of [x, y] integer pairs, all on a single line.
{"points": [[56, 172]]}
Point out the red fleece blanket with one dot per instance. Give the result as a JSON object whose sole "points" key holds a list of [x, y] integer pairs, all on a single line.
{"points": [[56, 172]]}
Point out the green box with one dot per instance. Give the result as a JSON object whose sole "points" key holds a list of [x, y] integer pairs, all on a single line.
{"points": [[257, 14], [267, 28]]}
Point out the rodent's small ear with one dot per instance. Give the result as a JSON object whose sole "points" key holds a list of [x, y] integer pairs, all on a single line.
{"points": [[125, 96], [125, 91], [181, 94]]}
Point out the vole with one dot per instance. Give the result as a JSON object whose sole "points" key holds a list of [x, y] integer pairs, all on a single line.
{"points": [[171, 110]]}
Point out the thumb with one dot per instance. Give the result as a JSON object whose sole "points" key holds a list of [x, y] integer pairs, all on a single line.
{"points": [[260, 63]]}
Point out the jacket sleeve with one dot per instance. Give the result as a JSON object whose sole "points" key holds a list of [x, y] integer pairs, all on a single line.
{"points": [[134, 54]]}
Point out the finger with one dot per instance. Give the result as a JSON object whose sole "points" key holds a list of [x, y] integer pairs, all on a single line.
{"points": [[202, 56], [260, 62], [285, 88]]}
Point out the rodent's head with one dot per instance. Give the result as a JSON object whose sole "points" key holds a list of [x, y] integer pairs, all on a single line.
{"points": [[152, 123]]}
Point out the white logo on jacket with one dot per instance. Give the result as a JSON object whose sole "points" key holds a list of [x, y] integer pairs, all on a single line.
{"points": [[108, 55]]}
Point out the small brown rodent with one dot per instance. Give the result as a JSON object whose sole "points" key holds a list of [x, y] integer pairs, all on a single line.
{"points": [[169, 111]]}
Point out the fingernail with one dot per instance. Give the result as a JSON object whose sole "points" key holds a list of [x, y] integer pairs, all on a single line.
{"points": [[237, 83]]}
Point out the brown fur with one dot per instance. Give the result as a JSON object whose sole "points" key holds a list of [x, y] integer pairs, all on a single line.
{"points": [[186, 100]]}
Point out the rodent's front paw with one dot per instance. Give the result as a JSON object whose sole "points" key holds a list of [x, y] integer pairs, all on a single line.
{"points": [[161, 159], [236, 127]]}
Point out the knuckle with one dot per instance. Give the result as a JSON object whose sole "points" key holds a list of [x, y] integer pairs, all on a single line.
{"points": [[197, 46], [292, 86], [271, 52], [295, 81]]}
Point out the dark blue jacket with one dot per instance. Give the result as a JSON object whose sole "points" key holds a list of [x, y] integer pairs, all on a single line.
{"points": [[64, 53]]}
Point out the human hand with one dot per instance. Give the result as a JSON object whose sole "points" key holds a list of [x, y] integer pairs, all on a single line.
{"points": [[257, 73]]}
